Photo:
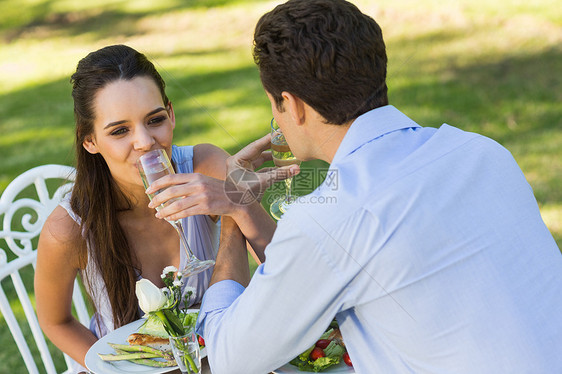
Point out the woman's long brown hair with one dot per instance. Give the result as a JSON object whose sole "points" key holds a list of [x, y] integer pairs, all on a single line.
{"points": [[96, 198]]}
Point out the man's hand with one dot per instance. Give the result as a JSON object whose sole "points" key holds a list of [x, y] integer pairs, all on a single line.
{"points": [[243, 183]]}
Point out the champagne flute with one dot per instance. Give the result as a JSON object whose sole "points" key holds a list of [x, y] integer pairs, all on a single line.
{"points": [[282, 156], [152, 166]]}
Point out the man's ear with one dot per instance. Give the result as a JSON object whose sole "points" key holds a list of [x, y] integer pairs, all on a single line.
{"points": [[89, 144], [295, 106]]}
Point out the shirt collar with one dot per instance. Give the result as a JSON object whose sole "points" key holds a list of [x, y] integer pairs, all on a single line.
{"points": [[372, 125]]}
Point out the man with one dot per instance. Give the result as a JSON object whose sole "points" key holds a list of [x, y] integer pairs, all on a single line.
{"points": [[430, 251]]}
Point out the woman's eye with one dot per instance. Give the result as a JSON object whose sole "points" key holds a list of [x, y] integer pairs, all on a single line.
{"points": [[156, 120], [119, 131]]}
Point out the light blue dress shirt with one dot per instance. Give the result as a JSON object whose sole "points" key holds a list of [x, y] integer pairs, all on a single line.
{"points": [[426, 244]]}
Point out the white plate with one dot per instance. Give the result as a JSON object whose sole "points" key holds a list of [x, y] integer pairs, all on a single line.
{"points": [[119, 336], [340, 368]]}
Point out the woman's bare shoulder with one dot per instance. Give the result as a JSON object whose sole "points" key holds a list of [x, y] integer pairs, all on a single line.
{"points": [[61, 236], [60, 226]]}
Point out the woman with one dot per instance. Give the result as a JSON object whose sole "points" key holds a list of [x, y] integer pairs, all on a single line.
{"points": [[105, 229]]}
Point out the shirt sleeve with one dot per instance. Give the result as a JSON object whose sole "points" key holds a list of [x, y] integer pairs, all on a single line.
{"points": [[290, 301], [218, 297]]}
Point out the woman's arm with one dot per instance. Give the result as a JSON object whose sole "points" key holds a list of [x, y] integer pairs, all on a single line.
{"points": [[57, 267]]}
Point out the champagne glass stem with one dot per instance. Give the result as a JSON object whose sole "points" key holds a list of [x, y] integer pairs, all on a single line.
{"points": [[288, 188], [179, 228]]}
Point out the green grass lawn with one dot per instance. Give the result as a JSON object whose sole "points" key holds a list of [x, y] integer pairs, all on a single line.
{"points": [[484, 66]]}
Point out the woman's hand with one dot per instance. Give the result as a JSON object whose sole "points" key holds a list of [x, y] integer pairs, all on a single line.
{"points": [[190, 194]]}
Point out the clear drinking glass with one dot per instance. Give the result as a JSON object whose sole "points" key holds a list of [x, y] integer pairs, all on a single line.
{"points": [[186, 352], [282, 156], [152, 166]]}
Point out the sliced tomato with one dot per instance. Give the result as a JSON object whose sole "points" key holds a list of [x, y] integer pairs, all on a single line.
{"points": [[346, 359], [317, 353], [323, 343]]}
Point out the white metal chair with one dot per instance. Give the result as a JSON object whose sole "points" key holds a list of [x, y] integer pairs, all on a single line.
{"points": [[25, 205]]}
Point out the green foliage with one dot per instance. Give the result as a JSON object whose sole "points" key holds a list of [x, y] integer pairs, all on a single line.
{"points": [[484, 66]]}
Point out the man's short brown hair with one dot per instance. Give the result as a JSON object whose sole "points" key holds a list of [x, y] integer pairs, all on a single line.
{"points": [[327, 53]]}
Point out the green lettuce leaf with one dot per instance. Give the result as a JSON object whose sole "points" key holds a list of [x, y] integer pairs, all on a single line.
{"points": [[302, 365], [304, 356], [323, 363], [334, 350], [326, 334], [320, 364], [189, 319], [153, 326]]}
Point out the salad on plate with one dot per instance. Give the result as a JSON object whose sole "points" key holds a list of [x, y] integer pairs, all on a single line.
{"points": [[328, 351]]}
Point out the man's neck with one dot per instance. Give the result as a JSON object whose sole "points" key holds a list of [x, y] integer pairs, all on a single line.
{"points": [[327, 139]]}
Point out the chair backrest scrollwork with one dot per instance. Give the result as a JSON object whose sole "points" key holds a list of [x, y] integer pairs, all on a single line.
{"points": [[24, 206]]}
